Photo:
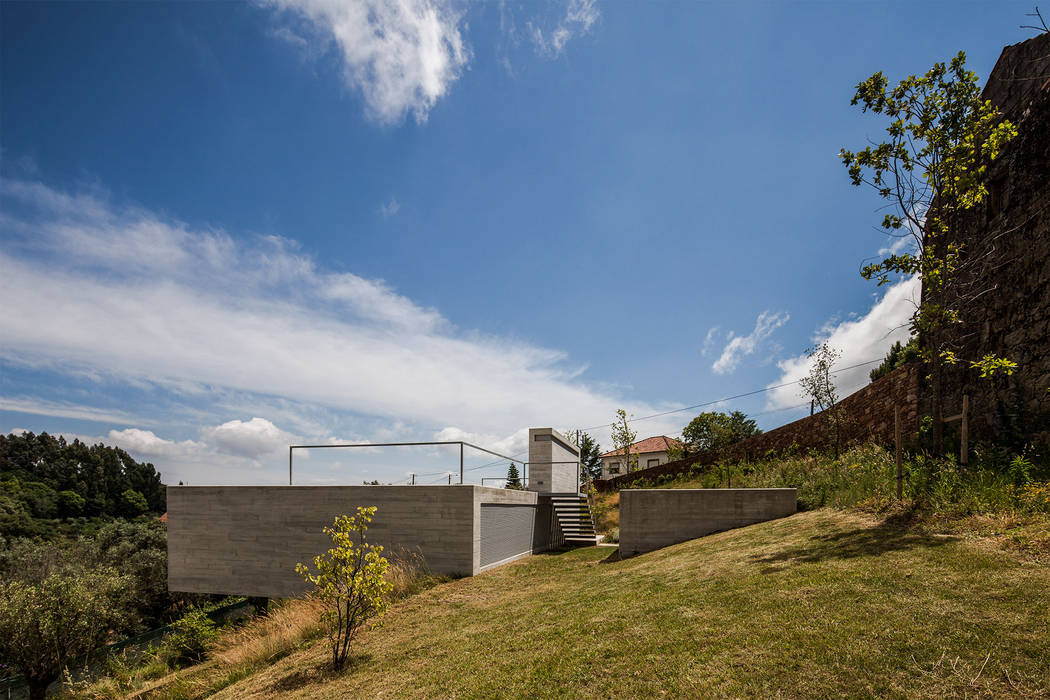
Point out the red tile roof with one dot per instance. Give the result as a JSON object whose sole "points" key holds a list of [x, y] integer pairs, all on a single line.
{"points": [[660, 443]]}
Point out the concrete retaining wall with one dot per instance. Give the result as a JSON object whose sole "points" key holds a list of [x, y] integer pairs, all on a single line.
{"points": [[654, 518], [246, 540]]}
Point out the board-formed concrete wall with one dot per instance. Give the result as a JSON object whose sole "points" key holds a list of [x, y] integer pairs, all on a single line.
{"points": [[553, 462], [654, 518], [246, 540]]}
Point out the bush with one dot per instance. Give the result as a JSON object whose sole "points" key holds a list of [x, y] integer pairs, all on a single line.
{"points": [[350, 582], [47, 625], [191, 636]]}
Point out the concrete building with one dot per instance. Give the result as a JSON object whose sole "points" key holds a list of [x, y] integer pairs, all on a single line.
{"points": [[553, 462], [651, 452], [246, 540]]}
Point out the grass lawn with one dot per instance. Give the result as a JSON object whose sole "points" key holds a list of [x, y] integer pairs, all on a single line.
{"points": [[822, 603]]}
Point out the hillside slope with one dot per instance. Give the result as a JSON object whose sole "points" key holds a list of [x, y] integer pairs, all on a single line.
{"points": [[817, 604]]}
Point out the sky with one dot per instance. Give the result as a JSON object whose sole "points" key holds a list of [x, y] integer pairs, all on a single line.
{"points": [[230, 227]]}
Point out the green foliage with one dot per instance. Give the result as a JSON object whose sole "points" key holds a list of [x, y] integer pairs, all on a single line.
{"points": [[35, 469], [135, 550], [47, 625], [590, 457], [70, 504], [714, 430], [930, 169], [350, 582], [623, 437], [898, 356], [132, 504], [191, 636], [513, 477]]}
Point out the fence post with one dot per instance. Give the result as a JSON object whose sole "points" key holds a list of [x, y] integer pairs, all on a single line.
{"points": [[461, 463], [289, 465], [964, 433], [897, 440]]}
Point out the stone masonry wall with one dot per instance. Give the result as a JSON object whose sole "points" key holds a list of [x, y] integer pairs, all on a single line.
{"points": [[1005, 262], [867, 415]]}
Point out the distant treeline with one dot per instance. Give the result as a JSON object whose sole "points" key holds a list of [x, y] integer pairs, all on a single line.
{"points": [[43, 477]]}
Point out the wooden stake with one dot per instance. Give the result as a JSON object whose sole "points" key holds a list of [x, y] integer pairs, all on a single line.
{"points": [[964, 433], [900, 457]]}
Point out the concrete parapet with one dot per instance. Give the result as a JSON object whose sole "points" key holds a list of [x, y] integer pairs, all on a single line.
{"points": [[654, 518]]}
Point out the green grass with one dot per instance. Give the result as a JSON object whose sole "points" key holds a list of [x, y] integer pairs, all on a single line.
{"points": [[989, 498], [822, 603]]}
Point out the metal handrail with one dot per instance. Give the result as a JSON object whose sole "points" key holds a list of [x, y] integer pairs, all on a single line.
{"points": [[461, 444]]}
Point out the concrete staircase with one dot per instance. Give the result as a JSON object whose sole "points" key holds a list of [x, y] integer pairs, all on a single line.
{"points": [[574, 518]]}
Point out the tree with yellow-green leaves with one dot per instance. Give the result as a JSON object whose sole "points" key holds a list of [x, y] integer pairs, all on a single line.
{"points": [[350, 581], [930, 170]]}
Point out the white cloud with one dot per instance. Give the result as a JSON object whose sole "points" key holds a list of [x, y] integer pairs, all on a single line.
{"points": [[65, 409], [146, 442], [866, 338], [199, 314], [251, 439], [390, 208], [740, 346], [709, 341], [403, 55], [580, 16]]}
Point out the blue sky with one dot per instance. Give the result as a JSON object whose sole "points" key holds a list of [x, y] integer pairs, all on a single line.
{"points": [[226, 227]]}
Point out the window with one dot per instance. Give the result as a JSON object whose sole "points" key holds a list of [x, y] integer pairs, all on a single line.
{"points": [[652, 462], [614, 467]]}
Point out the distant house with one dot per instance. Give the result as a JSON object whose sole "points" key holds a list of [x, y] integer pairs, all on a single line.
{"points": [[646, 453]]}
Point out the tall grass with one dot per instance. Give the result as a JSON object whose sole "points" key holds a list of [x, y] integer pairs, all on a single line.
{"points": [[995, 486], [288, 626]]}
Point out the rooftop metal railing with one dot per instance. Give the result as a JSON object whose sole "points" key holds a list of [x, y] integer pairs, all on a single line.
{"points": [[461, 444]]}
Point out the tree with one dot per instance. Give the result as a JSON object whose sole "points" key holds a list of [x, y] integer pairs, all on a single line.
{"points": [[70, 504], [590, 456], [513, 477], [713, 430], [819, 386], [350, 582], [623, 437], [46, 626], [132, 504], [930, 170], [897, 356]]}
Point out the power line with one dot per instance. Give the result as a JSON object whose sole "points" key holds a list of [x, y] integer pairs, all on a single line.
{"points": [[728, 398]]}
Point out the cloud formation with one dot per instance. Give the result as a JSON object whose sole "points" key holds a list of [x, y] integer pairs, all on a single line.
{"points": [[859, 340], [195, 315], [580, 16], [148, 444], [742, 345], [251, 439], [402, 55]]}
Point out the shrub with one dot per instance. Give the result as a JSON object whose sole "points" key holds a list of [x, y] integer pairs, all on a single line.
{"points": [[47, 625], [191, 636], [350, 582]]}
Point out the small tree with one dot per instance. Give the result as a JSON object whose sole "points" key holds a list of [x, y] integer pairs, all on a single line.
{"points": [[350, 582], [714, 430], [46, 626], [132, 504], [819, 386], [590, 456], [513, 477], [930, 170], [623, 437]]}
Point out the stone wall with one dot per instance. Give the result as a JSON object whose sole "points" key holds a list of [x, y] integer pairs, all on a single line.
{"points": [[867, 415], [654, 518], [1004, 268]]}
